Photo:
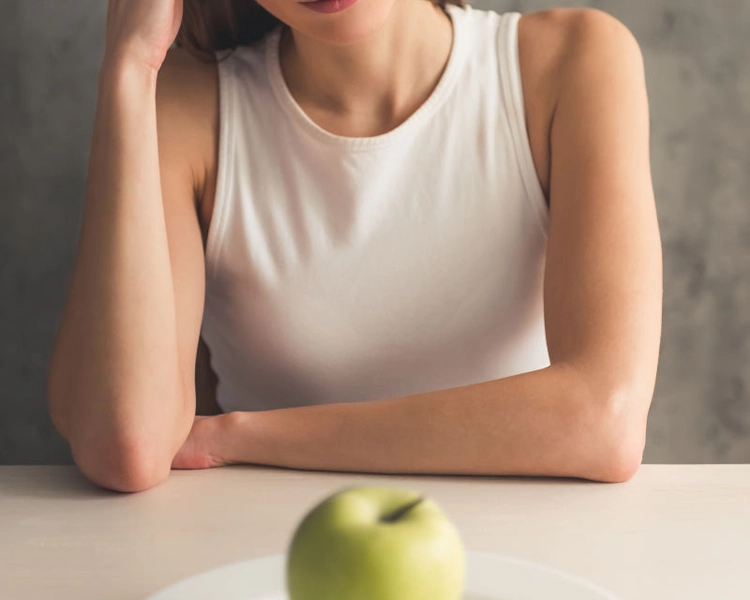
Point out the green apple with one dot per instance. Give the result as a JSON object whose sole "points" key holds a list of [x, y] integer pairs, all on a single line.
{"points": [[376, 543]]}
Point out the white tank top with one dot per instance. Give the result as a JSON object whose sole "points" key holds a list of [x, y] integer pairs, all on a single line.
{"points": [[347, 269]]}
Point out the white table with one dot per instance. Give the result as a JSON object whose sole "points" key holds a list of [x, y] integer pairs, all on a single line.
{"points": [[673, 532]]}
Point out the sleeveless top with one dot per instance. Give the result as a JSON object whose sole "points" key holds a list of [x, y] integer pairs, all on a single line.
{"points": [[344, 269]]}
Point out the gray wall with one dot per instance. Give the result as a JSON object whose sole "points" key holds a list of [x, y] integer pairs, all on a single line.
{"points": [[698, 64]]}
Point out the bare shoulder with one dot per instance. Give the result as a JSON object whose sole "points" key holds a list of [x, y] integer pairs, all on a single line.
{"points": [[187, 115], [561, 42], [575, 23], [563, 49]]}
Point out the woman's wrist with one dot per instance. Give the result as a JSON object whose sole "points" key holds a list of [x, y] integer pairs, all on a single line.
{"points": [[231, 436], [119, 72]]}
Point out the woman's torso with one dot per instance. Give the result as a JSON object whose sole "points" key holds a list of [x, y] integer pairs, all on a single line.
{"points": [[538, 92]]}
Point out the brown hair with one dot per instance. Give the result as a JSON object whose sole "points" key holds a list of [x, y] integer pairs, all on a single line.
{"points": [[212, 25]]}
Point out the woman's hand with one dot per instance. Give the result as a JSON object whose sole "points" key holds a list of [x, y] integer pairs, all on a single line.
{"points": [[142, 30], [201, 449]]}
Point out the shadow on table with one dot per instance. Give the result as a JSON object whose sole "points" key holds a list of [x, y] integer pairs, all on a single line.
{"points": [[516, 480], [66, 483]]}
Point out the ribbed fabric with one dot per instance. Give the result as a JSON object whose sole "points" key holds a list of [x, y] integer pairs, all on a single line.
{"points": [[351, 269]]}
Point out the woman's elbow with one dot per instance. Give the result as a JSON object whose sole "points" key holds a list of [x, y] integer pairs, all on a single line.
{"points": [[618, 465], [125, 466], [615, 449]]}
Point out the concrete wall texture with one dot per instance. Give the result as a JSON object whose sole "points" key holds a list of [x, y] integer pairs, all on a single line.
{"points": [[698, 67]]}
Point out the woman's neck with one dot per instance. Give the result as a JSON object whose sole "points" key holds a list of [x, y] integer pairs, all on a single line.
{"points": [[370, 87]]}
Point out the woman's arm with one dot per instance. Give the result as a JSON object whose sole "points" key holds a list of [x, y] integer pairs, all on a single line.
{"points": [[603, 286], [121, 380], [545, 423], [585, 415]]}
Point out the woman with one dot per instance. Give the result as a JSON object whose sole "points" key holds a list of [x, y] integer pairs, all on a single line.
{"points": [[425, 236]]}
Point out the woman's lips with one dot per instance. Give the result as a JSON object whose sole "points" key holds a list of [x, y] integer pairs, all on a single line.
{"points": [[329, 6]]}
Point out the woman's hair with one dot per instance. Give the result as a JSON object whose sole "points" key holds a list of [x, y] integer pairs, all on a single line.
{"points": [[212, 25]]}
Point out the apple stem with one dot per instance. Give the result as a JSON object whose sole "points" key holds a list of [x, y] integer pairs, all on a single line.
{"points": [[392, 518]]}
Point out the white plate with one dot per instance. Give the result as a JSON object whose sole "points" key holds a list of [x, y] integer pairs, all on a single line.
{"points": [[488, 577]]}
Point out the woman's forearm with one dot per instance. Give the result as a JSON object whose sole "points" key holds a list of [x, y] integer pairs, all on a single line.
{"points": [[544, 423], [114, 383]]}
